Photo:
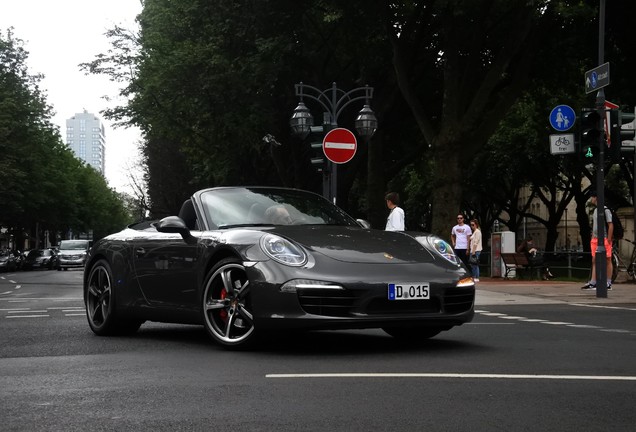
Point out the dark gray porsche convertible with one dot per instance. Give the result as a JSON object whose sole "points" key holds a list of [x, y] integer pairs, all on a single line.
{"points": [[249, 261]]}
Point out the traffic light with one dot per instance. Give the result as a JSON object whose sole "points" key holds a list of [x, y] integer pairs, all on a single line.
{"points": [[627, 123], [613, 152], [621, 137], [590, 132], [316, 136]]}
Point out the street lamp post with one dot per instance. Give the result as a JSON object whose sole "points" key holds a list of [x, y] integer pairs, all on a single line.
{"points": [[333, 102]]}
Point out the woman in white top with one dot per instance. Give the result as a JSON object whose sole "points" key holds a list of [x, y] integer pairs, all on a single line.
{"points": [[395, 221], [475, 247]]}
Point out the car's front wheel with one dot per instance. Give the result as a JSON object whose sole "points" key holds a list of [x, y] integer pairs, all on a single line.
{"points": [[227, 306], [101, 306]]}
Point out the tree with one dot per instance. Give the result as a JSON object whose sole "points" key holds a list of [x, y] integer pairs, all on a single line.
{"points": [[477, 58], [207, 81], [41, 181]]}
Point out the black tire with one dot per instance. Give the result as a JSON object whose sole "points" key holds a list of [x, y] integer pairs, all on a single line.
{"points": [[227, 306], [414, 334], [100, 300]]}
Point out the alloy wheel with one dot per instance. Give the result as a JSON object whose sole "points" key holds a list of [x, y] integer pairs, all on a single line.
{"points": [[227, 306]]}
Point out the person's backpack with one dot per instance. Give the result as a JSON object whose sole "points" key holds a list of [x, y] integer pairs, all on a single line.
{"points": [[618, 225]]}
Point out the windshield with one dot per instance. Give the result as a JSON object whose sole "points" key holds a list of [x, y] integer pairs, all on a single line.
{"points": [[73, 245], [229, 207]]}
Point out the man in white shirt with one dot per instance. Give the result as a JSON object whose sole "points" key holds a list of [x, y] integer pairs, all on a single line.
{"points": [[460, 234], [395, 221]]}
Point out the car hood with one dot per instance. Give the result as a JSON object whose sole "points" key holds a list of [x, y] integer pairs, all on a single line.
{"points": [[351, 244]]}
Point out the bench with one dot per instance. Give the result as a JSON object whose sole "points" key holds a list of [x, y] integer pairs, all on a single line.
{"points": [[519, 261]]}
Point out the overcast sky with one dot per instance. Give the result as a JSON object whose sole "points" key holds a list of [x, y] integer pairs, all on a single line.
{"points": [[60, 34]]}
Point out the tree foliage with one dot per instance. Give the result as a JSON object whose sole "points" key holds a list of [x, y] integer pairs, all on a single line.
{"points": [[462, 90], [42, 185]]}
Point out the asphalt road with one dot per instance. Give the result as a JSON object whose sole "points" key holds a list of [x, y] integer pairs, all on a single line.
{"points": [[530, 365]]}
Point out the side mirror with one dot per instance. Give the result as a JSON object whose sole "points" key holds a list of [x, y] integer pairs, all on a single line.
{"points": [[363, 223], [174, 224]]}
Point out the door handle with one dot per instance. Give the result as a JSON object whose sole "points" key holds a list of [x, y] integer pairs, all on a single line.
{"points": [[140, 251]]}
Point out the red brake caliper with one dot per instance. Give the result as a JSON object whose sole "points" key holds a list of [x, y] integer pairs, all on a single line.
{"points": [[223, 312]]}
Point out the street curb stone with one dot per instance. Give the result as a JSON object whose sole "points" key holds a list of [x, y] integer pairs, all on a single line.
{"points": [[507, 291]]}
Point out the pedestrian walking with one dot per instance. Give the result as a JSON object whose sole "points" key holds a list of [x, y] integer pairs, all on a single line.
{"points": [[474, 248], [460, 235], [395, 221], [609, 232]]}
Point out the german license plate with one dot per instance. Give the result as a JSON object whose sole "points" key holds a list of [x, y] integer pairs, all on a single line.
{"points": [[409, 291]]}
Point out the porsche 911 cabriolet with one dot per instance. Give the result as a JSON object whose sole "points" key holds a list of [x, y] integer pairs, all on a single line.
{"points": [[246, 262]]}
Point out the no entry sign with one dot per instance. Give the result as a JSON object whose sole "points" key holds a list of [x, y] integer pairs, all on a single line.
{"points": [[339, 145]]}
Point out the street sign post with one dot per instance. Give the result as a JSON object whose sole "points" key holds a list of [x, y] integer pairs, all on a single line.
{"points": [[340, 145], [562, 118], [562, 144], [597, 78]]}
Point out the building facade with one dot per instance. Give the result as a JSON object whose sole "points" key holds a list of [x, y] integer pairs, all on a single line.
{"points": [[86, 136]]}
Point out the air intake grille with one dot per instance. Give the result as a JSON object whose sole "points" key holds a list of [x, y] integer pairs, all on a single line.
{"points": [[459, 300], [384, 306], [327, 302]]}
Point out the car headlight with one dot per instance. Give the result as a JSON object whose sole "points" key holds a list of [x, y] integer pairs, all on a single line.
{"points": [[441, 247], [283, 250]]}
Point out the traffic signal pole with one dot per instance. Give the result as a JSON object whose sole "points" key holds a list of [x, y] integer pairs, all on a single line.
{"points": [[600, 259]]}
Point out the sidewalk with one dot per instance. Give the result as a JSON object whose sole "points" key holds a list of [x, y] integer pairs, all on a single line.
{"points": [[508, 291]]}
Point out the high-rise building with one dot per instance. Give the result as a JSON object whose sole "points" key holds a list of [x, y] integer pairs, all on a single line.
{"points": [[86, 136]]}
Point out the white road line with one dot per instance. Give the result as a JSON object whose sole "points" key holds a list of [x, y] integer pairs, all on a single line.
{"points": [[490, 323], [77, 314], [602, 306], [7, 292], [456, 375], [27, 310], [27, 316], [14, 309], [567, 324], [70, 299]]}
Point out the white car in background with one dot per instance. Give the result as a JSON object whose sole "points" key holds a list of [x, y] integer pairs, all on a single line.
{"points": [[72, 253]]}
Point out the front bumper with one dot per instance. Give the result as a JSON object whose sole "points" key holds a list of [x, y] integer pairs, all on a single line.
{"points": [[71, 262], [363, 300]]}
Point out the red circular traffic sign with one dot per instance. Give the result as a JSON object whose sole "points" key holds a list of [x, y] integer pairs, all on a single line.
{"points": [[339, 145]]}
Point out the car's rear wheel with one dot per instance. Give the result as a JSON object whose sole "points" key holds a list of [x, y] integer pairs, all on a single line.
{"points": [[227, 306], [101, 306], [414, 334]]}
